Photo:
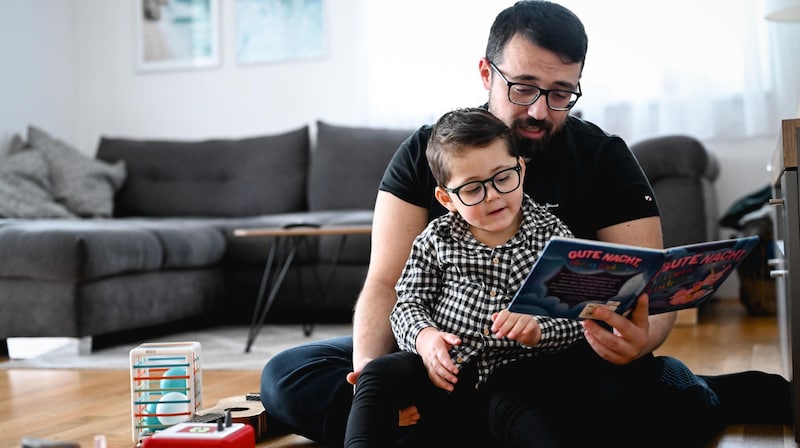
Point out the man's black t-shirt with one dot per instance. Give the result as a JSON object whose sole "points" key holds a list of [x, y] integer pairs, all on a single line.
{"points": [[588, 178]]}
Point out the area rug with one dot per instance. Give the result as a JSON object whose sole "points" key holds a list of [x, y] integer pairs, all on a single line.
{"points": [[222, 348]]}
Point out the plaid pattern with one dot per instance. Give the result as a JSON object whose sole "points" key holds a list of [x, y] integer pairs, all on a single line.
{"points": [[453, 282]]}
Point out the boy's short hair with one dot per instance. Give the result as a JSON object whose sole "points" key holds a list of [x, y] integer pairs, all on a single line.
{"points": [[461, 130]]}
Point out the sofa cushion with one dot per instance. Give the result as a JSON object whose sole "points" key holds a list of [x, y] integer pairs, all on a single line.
{"points": [[25, 187], [244, 177], [348, 164], [93, 249], [185, 243], [84, 185]]}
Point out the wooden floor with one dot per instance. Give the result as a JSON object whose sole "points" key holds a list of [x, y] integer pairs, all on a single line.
{"points": [[77, 404]]}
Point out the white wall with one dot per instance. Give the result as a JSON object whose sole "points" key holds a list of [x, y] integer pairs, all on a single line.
{"points": [[37, 67], [68, 66], [743, 170]]}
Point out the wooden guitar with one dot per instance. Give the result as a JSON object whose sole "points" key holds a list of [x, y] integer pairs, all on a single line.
{"points": [[245, 409]]}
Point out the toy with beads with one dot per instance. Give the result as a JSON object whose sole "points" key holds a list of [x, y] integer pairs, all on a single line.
{"points": [[166, 386]]}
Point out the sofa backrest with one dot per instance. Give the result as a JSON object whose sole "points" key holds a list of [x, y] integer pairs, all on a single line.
{"points": [[242, 177], [348, 163]]}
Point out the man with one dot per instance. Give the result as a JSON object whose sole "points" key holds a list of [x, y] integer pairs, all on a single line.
{"points": [[447, 294], [532, 70]]}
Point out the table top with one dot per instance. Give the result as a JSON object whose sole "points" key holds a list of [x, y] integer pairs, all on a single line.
{"points": [[785, 154], [304, 231]]}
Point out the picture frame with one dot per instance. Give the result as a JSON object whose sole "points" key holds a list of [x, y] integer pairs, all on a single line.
{"points": [[269, 31], [177, 34]]}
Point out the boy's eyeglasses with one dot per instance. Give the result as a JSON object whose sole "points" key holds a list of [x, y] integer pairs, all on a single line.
{"points": [[526, 94], [473, 193]]}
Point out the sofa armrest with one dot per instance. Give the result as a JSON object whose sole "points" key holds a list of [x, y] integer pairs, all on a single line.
{"points": [[683, 175]]}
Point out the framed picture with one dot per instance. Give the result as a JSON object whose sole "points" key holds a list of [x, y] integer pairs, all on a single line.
{"points": [[177, 34], [279, 30]]}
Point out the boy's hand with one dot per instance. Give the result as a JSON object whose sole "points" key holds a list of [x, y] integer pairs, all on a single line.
{"points": [[408, 416], [522, 328], [352, 377], [434, 347]]}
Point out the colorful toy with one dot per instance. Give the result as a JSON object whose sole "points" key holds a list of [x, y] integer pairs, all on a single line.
{"points": [[166, 386], [193, 435]]}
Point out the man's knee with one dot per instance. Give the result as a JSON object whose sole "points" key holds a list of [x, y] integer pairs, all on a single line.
{"points": [[305, 387], [328, 360]]}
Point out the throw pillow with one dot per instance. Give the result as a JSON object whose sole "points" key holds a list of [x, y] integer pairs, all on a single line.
{"points": [[15, 145], [86, 186], [25, 188]]}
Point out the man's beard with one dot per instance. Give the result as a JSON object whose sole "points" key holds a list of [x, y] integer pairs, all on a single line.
{"points": [[528, 147]]}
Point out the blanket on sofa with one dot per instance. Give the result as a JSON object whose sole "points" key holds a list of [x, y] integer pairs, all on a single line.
{"points": [[47, 178]]}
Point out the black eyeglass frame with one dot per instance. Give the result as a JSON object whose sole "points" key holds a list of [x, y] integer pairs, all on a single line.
{"points": [[457, 190], [545, 92]]}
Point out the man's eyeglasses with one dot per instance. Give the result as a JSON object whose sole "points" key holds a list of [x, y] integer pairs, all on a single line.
{"points": [[526, 94], [473, 193]]}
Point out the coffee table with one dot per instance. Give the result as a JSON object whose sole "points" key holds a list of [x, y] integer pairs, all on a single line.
{"points": [[293, 237]]}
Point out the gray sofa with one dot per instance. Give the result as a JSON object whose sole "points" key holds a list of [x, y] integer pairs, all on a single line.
{"points": [[168, 256], [683, 175]]}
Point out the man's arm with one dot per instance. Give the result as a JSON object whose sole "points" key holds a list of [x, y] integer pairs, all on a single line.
{"points": [[642, 334], [395, 224]]}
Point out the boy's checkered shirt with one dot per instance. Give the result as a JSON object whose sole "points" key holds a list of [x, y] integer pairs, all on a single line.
{"points": [[454, 283]]}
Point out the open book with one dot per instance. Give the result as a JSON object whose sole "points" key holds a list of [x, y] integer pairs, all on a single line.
{"points": [[572, 277]]}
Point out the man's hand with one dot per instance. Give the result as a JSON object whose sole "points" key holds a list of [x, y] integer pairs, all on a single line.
{"points": [[629, 340], [434, 347], [640, 335], [522, 328]]}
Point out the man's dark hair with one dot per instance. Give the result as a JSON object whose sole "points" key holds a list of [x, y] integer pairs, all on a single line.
{"points": [[461, 130], [545, 24]]}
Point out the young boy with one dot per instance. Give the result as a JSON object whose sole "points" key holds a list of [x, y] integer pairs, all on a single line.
{"points": [[450, 320]]}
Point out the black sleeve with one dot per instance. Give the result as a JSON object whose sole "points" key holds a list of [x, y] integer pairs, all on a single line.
{"points": [[408, 176], [625, 193]]}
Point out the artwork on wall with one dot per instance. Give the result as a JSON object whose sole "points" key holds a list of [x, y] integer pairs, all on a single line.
{"points": [[279, 30], [177, 34]]}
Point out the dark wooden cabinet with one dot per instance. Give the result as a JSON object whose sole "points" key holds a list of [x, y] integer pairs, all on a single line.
{"points": [[785, 267]]}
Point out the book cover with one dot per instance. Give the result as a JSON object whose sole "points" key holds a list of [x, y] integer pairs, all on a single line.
{"points": [[572, 277]]}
